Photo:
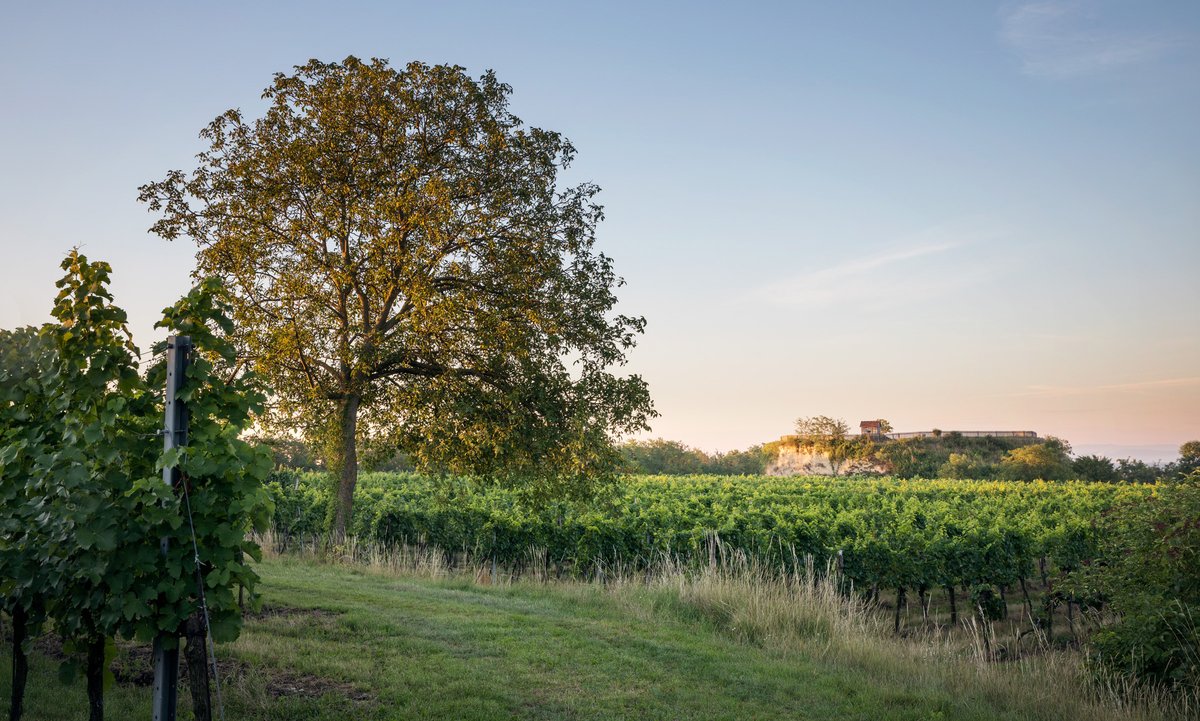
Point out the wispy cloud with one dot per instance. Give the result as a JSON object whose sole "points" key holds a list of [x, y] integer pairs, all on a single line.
{"points": [[858, 266], [894, 276], [1105, 389], [1060, 39]]}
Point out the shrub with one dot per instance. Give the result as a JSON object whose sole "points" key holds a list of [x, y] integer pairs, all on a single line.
{"points": [[1096, 469], [1150, 580], [1041, 461]]}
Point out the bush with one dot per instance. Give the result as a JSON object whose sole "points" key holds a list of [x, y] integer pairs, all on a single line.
{"points": [[1132, 470], [1097, 469], [1041, 461], [961, 465], [1150, 579]]}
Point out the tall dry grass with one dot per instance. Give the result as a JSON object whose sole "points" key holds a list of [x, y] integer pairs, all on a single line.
{"points": [[808, 613]]}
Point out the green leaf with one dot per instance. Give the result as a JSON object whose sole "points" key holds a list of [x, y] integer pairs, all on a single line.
{"points": [[226, 627], [170, 458]]}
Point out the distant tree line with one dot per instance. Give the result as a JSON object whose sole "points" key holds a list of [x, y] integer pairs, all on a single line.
{"points": [[662, 457], [1050, 460]]}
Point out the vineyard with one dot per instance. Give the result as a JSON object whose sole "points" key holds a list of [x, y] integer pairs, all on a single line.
{"points": [[94, 545], [971, 540]]}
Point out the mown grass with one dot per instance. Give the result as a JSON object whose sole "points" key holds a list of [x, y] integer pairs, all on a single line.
{"points": [[420, 642]]}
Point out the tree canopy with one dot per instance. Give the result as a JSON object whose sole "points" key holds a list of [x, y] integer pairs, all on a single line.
{"points": [[828, 436], [405, 270], [1048, 461], [1189, 458], [1095, 468]]}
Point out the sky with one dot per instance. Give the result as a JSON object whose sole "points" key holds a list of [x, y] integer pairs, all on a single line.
{"points": [[971, 216]]}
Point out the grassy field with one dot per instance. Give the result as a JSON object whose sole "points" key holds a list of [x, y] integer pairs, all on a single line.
{"points": [[338, 642]]}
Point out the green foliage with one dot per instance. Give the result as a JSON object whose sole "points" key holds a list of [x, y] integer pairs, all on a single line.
{"points": [[961, 465], [931, 457], [1097, 469], [101, 552], [672, 458], [1133, 470], [1048, 461], [28, 432], [84, 506], [405, 269], [1189, 459], [659, 456], [222, 475], [816, 427], [914, 457], [751, 462], [1149, 575], [987, 602]]}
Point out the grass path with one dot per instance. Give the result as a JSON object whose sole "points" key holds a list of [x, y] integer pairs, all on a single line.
{"points": [[340, 643]]}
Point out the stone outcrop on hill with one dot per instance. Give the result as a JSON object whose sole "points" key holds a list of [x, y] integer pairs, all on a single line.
{"points": [[793, 460]]}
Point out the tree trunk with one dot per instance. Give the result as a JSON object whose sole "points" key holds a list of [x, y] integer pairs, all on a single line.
{"points": [[1028, 601], [196, 653], [95, 678], [1048, 607], [20, 663], [923, 593], [349, 470], [899, 603], [953, 605]]}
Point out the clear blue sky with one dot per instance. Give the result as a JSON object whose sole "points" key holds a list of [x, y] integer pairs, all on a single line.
{"points": [[949, 214]]}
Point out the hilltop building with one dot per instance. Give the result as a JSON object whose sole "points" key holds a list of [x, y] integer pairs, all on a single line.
{"points": [[871, 428]]}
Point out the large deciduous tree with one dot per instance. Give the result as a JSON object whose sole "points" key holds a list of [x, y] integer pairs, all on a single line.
{"points": [[405, 268]]}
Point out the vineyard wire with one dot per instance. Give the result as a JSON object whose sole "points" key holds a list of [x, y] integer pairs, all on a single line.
{"points": [[208, 639]]}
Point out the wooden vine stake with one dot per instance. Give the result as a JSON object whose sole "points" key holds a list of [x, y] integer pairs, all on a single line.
{"points": [[166, 645]]}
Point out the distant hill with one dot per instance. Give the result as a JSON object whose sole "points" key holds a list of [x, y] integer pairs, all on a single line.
{"points": [[933, 454]]}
